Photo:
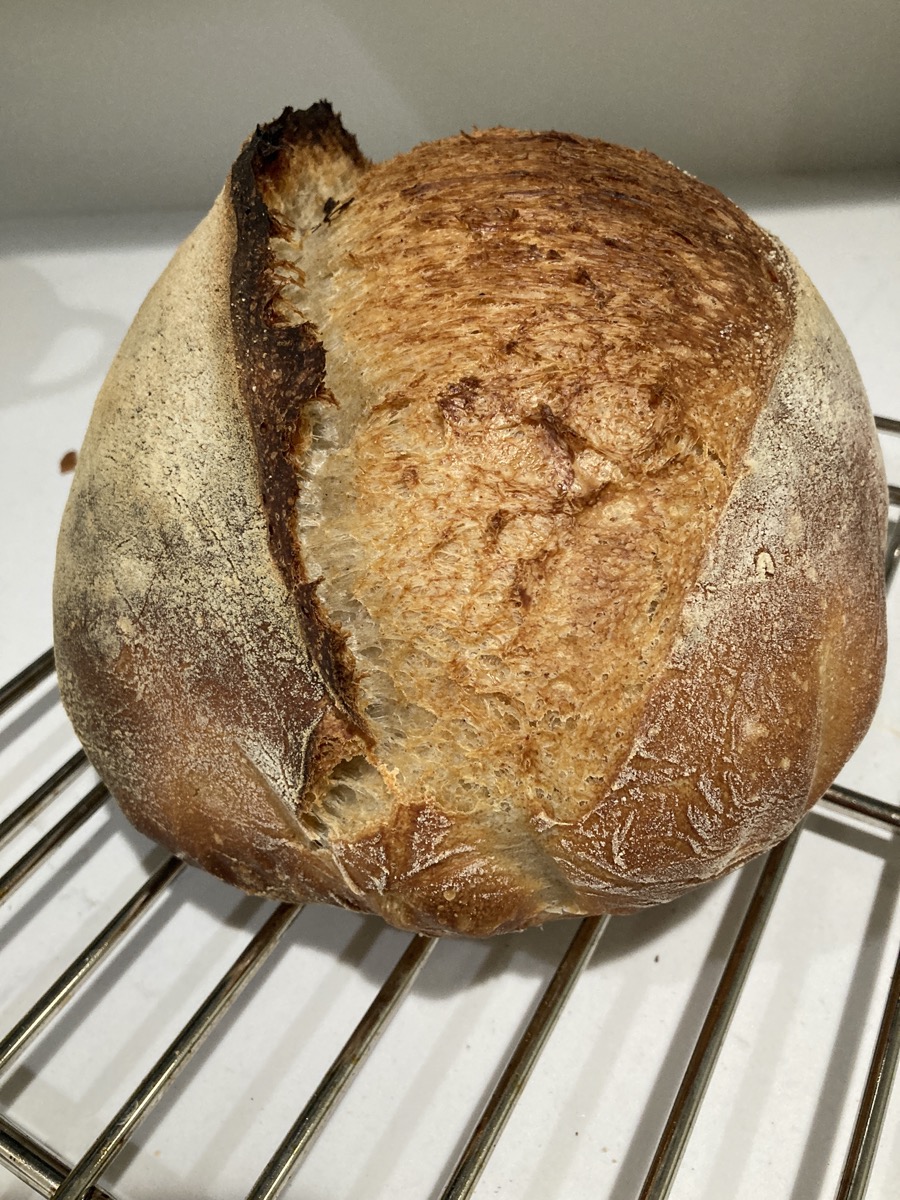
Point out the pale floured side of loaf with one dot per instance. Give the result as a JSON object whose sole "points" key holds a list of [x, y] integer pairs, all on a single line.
{"points": [[180, 655], [475, 538], [780, 657]]}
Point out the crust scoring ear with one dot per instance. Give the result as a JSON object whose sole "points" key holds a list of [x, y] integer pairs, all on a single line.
{"points": [[281, 366]]}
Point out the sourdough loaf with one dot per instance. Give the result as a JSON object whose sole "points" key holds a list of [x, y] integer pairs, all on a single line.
{"points": [[480, 537]]}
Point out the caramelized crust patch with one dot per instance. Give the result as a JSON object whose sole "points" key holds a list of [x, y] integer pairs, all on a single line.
{"points": [[545, 357]]}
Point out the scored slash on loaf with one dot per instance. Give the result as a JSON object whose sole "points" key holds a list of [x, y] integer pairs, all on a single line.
{"points": [[485, 536]]}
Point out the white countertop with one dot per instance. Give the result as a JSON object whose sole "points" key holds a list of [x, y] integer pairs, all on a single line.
{"points": [[777, 1116]]}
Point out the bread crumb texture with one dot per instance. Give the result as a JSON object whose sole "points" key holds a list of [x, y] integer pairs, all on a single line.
{"points": [[556, 518]]}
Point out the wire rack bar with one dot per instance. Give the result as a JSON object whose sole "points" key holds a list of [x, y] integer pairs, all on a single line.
{"points": [[34, 1164], [672, 1143], [893, 554], [32, 859], [493, 1118], [894, 493], [870, 1118], [866, 806], [334, 1082], [41, 797], [150, 1090], [887, 424], [27, 679], [60, 992]]}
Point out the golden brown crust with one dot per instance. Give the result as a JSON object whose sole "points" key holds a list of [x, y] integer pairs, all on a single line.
{"points": [[476, 538], [524, 453]]}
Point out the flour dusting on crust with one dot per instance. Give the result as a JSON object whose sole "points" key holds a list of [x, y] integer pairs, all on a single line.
{"points": [[475, 538]]}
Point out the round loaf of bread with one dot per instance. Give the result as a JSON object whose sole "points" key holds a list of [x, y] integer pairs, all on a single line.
{"points": [[481, 537]]}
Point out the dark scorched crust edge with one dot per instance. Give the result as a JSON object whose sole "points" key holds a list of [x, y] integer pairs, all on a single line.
{"points": [[281, 368]]}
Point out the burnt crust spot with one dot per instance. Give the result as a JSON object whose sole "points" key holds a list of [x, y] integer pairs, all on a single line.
{"points": [[282, 369], [458, 401], [562, 435], [333, 208], [497, 522]]}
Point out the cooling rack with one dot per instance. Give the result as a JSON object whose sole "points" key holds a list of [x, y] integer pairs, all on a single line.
{"points": [[63, 812]]}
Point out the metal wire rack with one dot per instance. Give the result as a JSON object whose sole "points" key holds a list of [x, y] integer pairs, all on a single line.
{"points": [[43, 1168]]}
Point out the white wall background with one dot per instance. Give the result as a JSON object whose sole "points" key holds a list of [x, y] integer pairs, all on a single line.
{"points": [[111, 105]]}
